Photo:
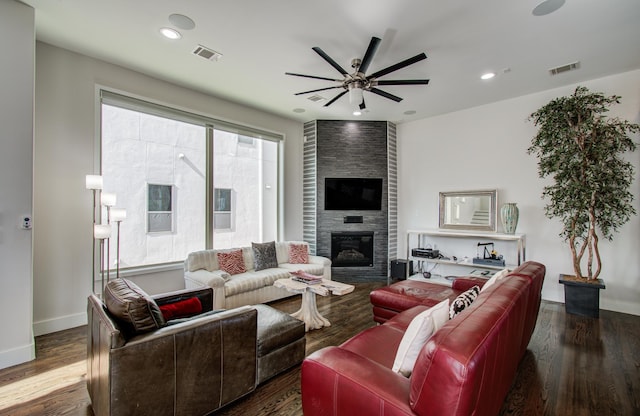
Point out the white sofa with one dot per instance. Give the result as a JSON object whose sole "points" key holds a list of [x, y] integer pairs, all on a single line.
{"points": [[251, 287]]}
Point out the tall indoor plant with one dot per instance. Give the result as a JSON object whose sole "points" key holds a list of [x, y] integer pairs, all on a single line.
{"points": [[582, 150]]}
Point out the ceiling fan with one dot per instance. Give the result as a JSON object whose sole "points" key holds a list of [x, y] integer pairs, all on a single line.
{"points": [[357, 82]]}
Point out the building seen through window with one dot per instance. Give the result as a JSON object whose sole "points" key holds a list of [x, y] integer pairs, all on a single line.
{"points": [[155, 160]]}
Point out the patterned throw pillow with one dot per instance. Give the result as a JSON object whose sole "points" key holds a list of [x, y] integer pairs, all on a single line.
{"points": [[264, 255], [298, 254], [463, 300], [231, 262]]}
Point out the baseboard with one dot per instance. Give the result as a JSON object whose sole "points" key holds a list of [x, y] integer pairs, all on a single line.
{"points": [[631, 308], [18, 355], [59, 324]]}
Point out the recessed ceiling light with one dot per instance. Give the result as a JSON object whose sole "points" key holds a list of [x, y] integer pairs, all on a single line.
{"points": [[169, 33], [299, 110], [488, 75], [547, 7], [409, 112], [357, 112], [181, 21]]}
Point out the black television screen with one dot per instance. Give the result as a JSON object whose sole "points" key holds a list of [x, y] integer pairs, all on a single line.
{"points": [[353, 194]]}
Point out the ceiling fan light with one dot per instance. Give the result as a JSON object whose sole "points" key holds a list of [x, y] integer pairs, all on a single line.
{"points": [[355, 95]]}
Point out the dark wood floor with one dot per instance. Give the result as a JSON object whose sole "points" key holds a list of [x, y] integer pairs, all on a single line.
{"points": [[574, 366]]}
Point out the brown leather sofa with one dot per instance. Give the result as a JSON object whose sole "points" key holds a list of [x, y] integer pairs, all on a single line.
{"points": [[465, 368], [191, 368]]}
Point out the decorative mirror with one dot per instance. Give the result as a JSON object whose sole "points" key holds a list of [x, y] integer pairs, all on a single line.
{"points": [[468, 210]]}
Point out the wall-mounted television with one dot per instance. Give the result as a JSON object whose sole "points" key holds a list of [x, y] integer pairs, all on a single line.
{"points": [[358, 194]]}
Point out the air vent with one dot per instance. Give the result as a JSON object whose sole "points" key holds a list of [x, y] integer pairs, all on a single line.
{"points": [[564, 68], [316, 98], [207, 53]]}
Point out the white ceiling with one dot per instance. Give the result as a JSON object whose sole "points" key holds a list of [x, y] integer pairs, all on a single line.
{"points": [[261, 40]]}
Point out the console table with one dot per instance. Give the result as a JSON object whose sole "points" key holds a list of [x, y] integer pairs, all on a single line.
{"points": [[459, 250]]}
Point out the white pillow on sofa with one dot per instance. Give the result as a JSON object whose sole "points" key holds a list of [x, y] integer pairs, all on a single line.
{"points": [[497, 276], [420, 329]]}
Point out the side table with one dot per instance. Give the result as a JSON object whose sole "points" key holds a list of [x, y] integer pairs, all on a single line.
{"points": [[308, 312]]}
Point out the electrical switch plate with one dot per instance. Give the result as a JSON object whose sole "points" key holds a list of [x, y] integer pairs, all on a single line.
{"points": [[26, 222]]}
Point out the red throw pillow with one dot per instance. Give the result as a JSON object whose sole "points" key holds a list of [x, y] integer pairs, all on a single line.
{"points": [[298, 254], [181, 309], [231, 262]]}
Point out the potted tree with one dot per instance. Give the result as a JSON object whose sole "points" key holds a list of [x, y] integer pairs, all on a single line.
{"points": [[582, 150]]}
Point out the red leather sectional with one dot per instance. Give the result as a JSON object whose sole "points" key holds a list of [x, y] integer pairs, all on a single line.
{"points": [[466, 368], [389, 300]]}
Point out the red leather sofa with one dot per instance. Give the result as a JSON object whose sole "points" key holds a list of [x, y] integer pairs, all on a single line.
{"points": [[466, 367]]}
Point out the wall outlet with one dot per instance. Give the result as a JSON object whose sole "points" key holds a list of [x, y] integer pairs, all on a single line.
{"points": [[26, 222]]}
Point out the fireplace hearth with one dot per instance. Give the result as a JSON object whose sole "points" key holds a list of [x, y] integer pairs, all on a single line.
{"points": [[352, 249]]}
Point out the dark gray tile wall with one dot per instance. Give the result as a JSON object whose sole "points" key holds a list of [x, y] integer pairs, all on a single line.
{"points": [[352, 149]]}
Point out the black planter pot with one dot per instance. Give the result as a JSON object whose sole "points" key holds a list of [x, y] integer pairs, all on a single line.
{"points": [[581, 298]]}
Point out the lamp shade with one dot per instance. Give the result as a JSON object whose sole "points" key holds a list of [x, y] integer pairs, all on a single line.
{"points": [[108, 199], [93, 182], [101, 231], [118, 214]]}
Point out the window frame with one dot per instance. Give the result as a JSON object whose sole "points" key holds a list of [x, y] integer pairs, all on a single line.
{"points": [[129, 101]]}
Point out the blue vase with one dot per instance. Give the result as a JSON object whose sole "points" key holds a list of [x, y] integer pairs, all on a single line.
{"points": [[509, 214]]}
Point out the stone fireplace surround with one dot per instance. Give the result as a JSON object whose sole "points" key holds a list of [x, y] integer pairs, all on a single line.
{"points": [[351, 149]]}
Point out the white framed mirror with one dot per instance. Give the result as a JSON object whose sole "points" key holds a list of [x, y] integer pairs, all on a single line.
{"points": [[469, 210]]}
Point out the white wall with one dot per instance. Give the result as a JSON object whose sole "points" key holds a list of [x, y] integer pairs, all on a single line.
{"points": [[485, 148], [65, 138], [482, 147], [16, 166]]}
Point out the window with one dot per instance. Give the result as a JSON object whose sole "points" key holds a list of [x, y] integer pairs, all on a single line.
{"points": [[247, 177], [159, 208], [248, 141], [222, 220], [188, 182]]}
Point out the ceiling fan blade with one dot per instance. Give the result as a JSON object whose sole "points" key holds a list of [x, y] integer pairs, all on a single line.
{"points": [[403, 82], [369, 54], [335, 98], [331, 61], [399, 65], [320, 89], [386, 95], [312, 76]]}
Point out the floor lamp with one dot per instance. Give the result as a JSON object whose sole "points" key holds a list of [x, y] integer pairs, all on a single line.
{"points": [[102, 232], [108, 200], [94, 183], [118, 215]]}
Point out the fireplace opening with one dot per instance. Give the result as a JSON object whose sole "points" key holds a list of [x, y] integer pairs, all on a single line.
{"points": [[352, 249]]}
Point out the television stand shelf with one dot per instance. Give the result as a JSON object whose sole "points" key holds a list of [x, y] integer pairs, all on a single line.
{"points": [[457, 251]]}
